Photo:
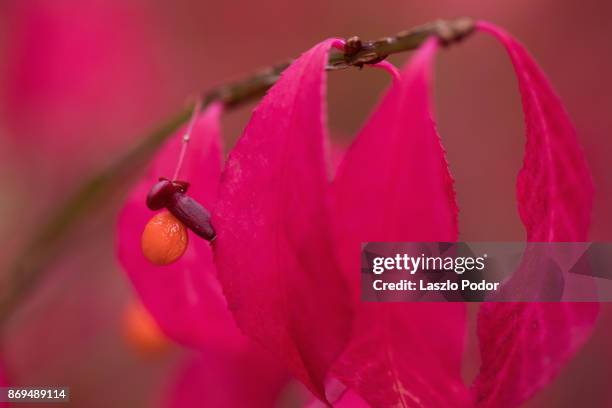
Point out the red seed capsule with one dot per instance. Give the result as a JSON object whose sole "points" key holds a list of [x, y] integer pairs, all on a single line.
{"points": [[172, 195], [164, 239]]}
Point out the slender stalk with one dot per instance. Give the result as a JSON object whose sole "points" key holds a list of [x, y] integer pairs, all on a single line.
{"points": [[95, 193], [357, 54]]}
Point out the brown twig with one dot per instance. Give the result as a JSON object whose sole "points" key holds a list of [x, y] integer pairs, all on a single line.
{"points": [[357, 53]]}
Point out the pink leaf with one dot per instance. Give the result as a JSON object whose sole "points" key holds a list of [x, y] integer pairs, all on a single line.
{"points": [[394, 185], [184, 298], [273, 249], [228, 380], [523, 345], [340, 396], [336, 153]]}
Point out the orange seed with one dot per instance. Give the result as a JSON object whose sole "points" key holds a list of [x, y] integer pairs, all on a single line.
{"points": [[142, 332], [164, 239]]}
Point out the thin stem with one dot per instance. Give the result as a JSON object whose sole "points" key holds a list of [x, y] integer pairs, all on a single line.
{"points": [[186, 138], [103, 188]]}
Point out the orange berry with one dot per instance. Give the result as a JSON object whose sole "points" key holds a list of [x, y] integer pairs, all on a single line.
{"points": [[164, 239], [142, 332]]}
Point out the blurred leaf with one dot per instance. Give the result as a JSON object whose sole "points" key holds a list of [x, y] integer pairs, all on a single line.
{"points": [[95, 194]]}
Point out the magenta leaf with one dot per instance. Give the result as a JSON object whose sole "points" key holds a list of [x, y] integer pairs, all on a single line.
{"points": [[340, 396], [228, 380], [394, 185], [184, 298], [523, 345], [273, 250]]}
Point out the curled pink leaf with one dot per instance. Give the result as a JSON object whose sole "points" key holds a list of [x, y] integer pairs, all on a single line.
{"points": [[273, 250], [524, 345], [184, 298], [394, 185]]}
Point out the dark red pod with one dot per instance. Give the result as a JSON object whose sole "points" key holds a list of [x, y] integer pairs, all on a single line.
{"points": [[172, 196]]}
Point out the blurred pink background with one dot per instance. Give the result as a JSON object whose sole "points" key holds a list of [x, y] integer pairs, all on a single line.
{"points": [[82, 80]]}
